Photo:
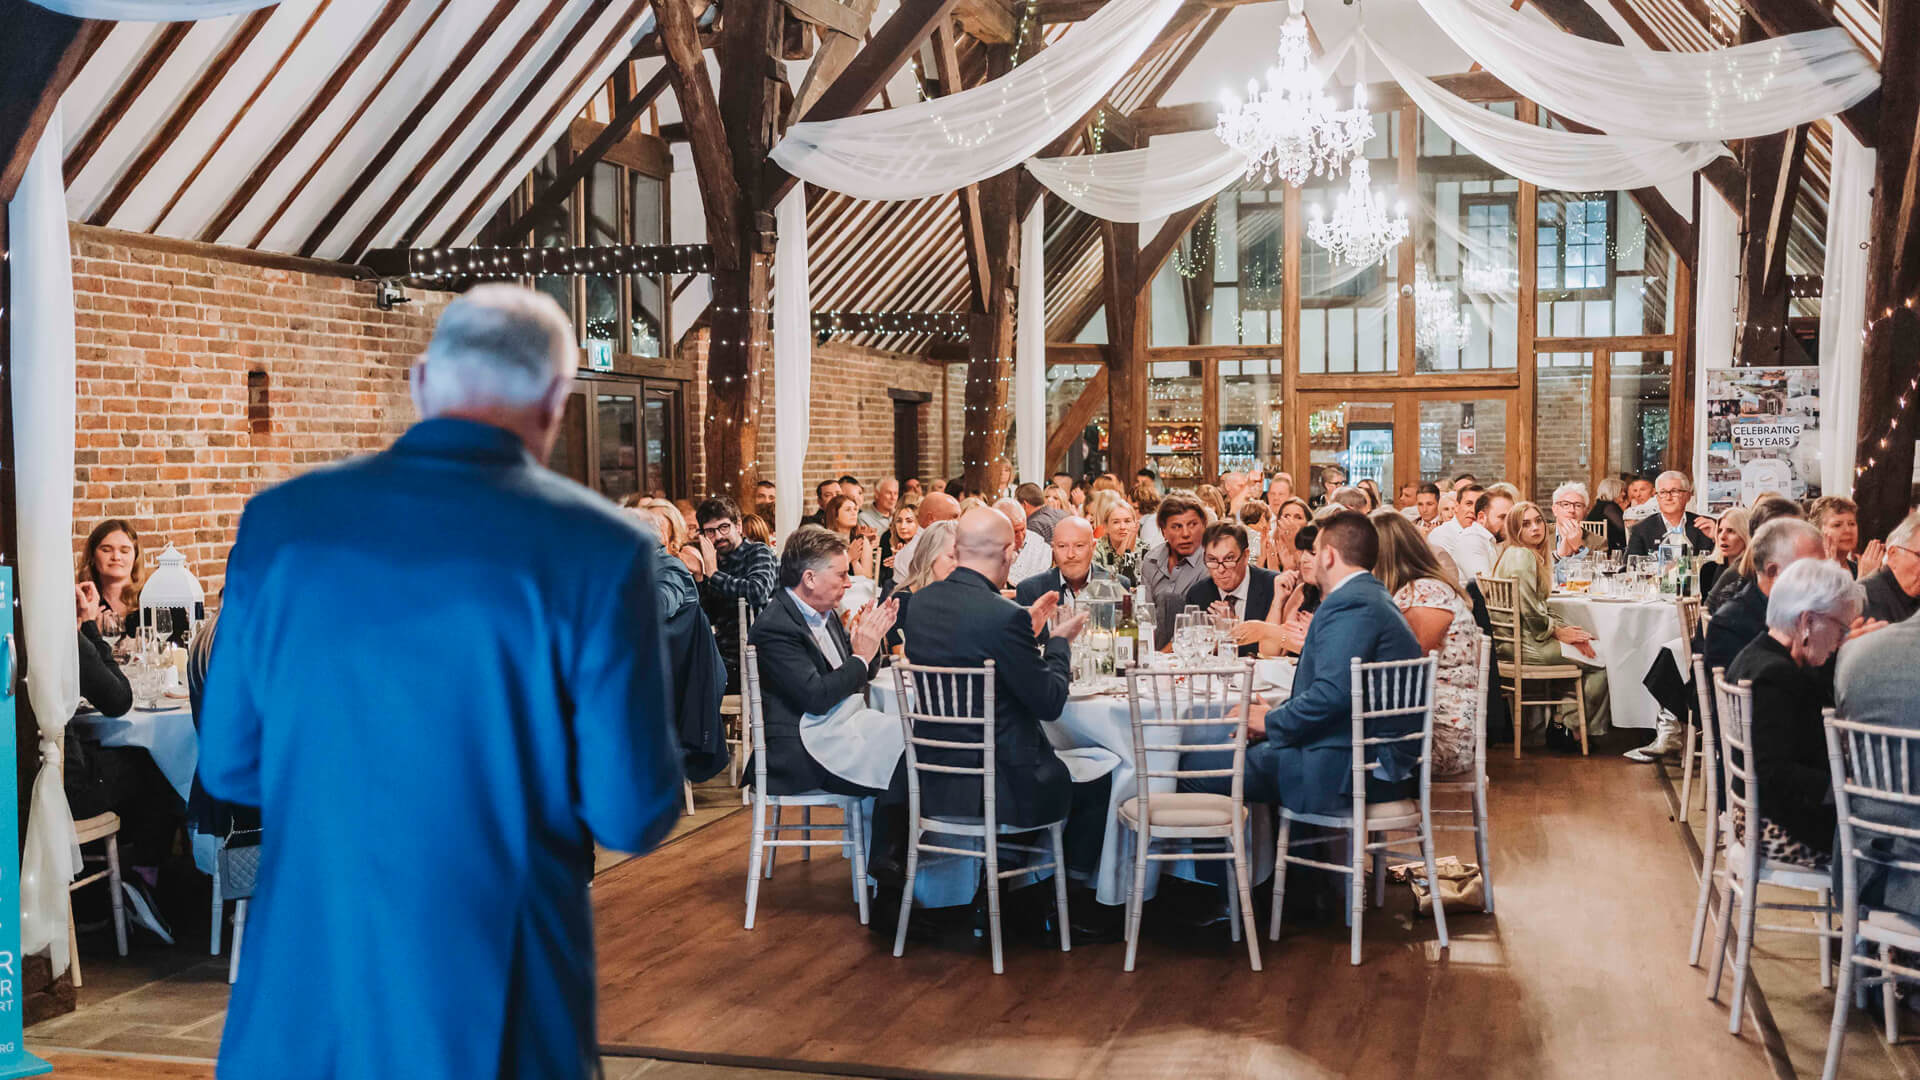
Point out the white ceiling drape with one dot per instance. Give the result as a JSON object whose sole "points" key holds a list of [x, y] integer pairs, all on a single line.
{"points": [[1738, 92], [1172, 173], [1843, 309], [942, 144], [152, 10], [1560, 160]]}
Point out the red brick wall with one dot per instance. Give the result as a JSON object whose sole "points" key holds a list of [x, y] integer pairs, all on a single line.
{"points": [[165, 342]]}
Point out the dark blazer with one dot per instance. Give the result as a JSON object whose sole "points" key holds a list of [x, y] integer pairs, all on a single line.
{"points": [[1032, 589], [963, 622], [1735, 625], [796, 679], [1644, 538], [1259, 598], [1609, 511], [1788, 739], [1311, 734], [1885, 599]]}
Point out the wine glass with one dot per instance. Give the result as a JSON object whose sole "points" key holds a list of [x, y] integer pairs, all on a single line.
{"points": [[162, 626]]}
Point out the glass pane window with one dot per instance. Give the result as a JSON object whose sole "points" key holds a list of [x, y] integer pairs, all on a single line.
{"points": [[1462, 437], [1563, 433], [647, 300], [1604, 270], [618, 446], [1174, 446], [1466, 257], [1638, 416], [1249, 415], [1088, 452], [601, 191], [553, 228]]}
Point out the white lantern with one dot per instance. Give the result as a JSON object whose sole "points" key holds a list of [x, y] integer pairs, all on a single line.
{"points": [[170, 587]]}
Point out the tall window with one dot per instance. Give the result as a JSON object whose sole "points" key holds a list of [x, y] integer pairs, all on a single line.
{"points": [[1573, 243]]}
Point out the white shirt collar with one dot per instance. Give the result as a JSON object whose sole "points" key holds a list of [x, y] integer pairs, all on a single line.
{"points": [[1478, 529], [814, 619], [1240, 592]]}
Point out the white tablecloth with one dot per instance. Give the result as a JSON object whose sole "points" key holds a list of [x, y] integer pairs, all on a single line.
{"points": [[166, 734], [1103, 722], [1631, 634]]}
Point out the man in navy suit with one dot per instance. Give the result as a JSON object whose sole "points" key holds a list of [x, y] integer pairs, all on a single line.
{"points": [[1233, 585], [1305, 761], [1073, 567], [439, 675]]}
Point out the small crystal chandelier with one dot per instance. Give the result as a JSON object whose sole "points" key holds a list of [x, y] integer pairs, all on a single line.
{"points": [[1485, 276], [1438, 322], [1359, 233], [1292, 129]]}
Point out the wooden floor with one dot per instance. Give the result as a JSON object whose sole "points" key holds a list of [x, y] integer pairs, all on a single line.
{"points": [[1582, 974]]}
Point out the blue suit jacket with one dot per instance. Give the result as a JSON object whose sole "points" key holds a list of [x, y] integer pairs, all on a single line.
{"points": [[1358, 620], [439, 675]]}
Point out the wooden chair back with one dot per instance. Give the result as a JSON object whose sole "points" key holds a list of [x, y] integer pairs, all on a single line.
{"points": [[1733, 707], [1876, 791], [957, 706], [1183, 700], [1689, 609], [1389, 690], [1594, 533], [1503, 615]]}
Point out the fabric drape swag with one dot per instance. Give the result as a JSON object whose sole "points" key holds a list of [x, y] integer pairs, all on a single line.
{"points": [[1737, 92], [153, 10], [1559, 160], [1030, 351], [1171, 174], [1843, 309], [942, 144], [792, 360], [41, 345]]}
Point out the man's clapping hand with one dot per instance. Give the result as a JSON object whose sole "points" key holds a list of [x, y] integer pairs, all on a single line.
{"points": [[870, 626]]}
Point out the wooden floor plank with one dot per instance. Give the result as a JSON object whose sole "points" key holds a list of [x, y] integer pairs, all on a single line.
{"points": [[1582, 974]]}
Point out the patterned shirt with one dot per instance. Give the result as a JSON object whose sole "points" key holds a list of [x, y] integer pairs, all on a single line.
{"points": [[750, 571], [1167, 584]]}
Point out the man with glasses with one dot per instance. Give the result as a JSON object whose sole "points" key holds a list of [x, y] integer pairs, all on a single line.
{"points": [[1893, 591], [731, 567], [1233, 585], [1569, 510], [1671, 493]]}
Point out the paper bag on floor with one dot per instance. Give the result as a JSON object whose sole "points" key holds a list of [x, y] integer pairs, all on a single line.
{"points": [[1461, 887]]}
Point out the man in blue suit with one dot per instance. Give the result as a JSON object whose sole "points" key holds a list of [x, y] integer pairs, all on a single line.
{"points": [[439, 675], [1305, 762]]}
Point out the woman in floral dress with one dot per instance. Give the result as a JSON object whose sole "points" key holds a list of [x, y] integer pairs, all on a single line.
{"points": [[1442, 620]]}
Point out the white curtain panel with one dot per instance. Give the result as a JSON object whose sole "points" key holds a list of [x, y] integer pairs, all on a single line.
{"points": [[1733, 93], [41, 344], [1170, 174], [943, 144], [1716, 282], [1030, 351], [153, 10], [792, 360], [1560, 160], [1843, 309]]}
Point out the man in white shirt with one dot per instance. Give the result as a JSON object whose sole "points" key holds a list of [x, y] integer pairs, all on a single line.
{"points": [[1444, 535], [1031, 554], [1425, 511], [886, 495], [1473, 550]]}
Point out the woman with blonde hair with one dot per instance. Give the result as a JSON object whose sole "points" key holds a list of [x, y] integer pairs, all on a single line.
{"points": [[1096, 510], [1214, 500], [674, 535], [1119, 549], [934, 557], [1289, 518], [1442, 620], [1730, 546], [1545, 638]]}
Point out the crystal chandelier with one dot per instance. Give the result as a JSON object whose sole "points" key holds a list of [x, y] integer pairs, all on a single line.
{"points": [[1438, 322], [1359, 233], [1292, 129], [1484, 276]]}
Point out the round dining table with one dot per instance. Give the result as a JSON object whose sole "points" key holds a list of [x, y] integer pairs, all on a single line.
{"points": [[1095, 732], [1631, 635], [167, 734]]}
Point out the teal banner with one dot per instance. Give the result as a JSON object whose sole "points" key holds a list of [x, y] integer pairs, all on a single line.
{"points": [[14, 1059]]}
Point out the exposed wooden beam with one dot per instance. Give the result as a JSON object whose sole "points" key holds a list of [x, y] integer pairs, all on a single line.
{"points": [[1891, 358], [454, 68], [1075, 352], [483, 97], [830, 15], [1073, 423], [1774, 166], [549, 198], [1128, 325], [164, 44], [1578, 17], [536, 135], [866, 75], [1782, 17], [972, 228], [1161, 247], [514, 113], [39, 56], [302, 125], [830, 59], [990, 342], [990, 22]]}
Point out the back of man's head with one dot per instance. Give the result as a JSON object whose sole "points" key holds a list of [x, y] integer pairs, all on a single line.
{"points": [[984, 543], [1029, 496], [1771, 508], [1013, 510], [1350, 497], [938, 506], [495, 347], [1352, 539], [1782, 542]]}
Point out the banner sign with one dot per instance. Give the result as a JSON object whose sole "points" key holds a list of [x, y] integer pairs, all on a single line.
{"points": [[1763, 435]]}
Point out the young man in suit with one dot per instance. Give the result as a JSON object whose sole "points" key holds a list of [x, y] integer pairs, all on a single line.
{"points": [[1304, 760], [808, 661], [1072, 565], [1233, 585], [1671, 493], [963, 621]]}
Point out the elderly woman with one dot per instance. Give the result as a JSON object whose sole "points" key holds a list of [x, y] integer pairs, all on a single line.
{"points": [[933, 559], [1545, 638], [1441, 618], [1729, 545], [1809, 613], [1838, 519], [1119, 550]]}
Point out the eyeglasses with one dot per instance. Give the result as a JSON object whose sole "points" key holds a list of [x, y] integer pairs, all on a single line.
{"points": [[1214, 562], [715, 532], [1571, 504], [1891, 548], [1667, 492]]}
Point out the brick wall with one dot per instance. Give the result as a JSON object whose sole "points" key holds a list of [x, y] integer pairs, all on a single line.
{"points": [[851, 414], [165, 344]]}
